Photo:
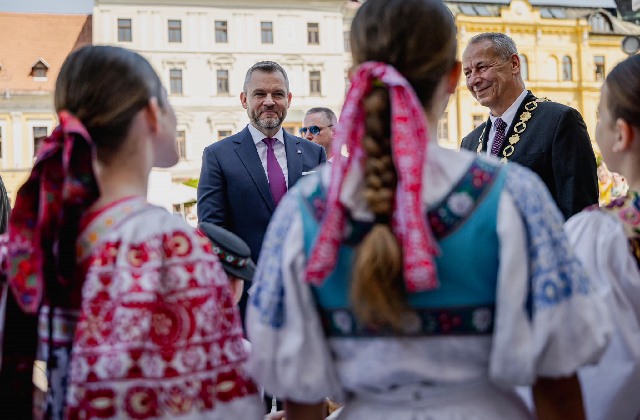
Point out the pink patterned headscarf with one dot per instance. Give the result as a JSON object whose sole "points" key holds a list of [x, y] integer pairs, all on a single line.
{"points": [[409, 138], [44, 223]]}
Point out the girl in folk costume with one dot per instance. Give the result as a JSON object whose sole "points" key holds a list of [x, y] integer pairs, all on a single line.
{"points": [[412, 281], [607, 241], [136, 318]]}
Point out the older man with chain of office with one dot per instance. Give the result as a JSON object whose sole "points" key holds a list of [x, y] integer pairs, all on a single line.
{"points": [[549, 138]]}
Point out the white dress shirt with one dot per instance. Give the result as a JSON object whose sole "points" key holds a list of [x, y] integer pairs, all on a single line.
{"points": [[278, 148], [507, 117]]}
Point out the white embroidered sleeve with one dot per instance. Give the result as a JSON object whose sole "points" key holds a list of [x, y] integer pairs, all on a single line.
{"points": [[290, 357]]}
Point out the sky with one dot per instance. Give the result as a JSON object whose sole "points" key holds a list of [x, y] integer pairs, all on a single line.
{"points": [[47, 6]]}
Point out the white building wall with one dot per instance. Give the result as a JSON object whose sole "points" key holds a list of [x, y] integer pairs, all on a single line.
{"points": [[201, 111]]}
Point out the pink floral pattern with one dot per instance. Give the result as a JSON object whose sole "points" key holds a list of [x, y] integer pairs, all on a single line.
{"points": [[409, 138]]}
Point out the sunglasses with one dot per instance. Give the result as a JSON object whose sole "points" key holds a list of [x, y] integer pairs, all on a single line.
{"points": [[313, 129]]}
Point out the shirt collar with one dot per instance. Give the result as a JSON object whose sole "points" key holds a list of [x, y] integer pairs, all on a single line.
{"points": [[510, 113], [258, 136]]}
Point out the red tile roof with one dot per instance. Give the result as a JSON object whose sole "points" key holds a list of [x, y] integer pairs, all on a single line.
{"points": [[27, 38]]}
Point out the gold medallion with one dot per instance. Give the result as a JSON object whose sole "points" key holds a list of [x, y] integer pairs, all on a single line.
{"points": [[525, 116], [514, 139]]}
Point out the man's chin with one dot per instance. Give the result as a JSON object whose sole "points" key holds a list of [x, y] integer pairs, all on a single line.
{"points": [[269, 124]]}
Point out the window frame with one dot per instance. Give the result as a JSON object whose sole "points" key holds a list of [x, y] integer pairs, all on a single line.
{"points": [[599, 68], [313, 33], [567, 69], [173, 78], [266, 34], [122, 30], [181, 144], [224, 79], [315, 83], [223, 31], [174, 30]]}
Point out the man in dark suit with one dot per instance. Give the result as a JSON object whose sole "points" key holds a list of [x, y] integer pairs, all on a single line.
{"points": [[549, 138], [243, 177]]}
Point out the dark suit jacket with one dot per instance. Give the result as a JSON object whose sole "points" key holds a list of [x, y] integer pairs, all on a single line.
{"points": [[556, 146], [233, 191]]}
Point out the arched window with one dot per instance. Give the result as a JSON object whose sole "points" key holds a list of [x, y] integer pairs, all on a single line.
{"points": [[599, 23], [524, 67], [567, 68]]}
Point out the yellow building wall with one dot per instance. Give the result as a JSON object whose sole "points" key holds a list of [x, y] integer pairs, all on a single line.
{"points": [[544, 42]]}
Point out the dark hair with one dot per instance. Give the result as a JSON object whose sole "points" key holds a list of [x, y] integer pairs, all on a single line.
{"points": [[503, 45], [417, 37], [267, 67], [623, 84], [328, 114], [105, 87]]}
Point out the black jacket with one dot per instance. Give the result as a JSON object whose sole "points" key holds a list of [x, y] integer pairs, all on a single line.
{"points": [[556, 146]]}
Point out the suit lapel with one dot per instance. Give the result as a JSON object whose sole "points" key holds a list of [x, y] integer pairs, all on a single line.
{"points": [[485, 135], [248, 154], [294, 157]]}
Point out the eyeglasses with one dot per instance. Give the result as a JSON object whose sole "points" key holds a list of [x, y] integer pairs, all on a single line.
{"points": [[313, 129]]}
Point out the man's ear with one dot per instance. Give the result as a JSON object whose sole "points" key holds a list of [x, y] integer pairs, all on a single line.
{"points": [[289, 96], [515, 63], [243, 99], [625, 136], [152, 114]]}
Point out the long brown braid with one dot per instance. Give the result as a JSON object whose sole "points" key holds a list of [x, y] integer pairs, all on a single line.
{"points": [[377, 290], [417, 37]]}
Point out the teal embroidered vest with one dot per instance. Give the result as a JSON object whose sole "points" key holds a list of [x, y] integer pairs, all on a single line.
{"points": [[464, 224]]}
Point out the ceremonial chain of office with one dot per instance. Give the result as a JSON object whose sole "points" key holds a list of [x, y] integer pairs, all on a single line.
{"points": [[517, 129]]}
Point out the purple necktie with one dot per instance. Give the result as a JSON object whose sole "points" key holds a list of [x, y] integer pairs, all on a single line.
{"points": [[277, 184], [499, 138]]}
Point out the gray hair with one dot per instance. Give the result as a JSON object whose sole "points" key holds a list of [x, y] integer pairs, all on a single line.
{"points": [[503, 45], [328, 114], [267, 67]]}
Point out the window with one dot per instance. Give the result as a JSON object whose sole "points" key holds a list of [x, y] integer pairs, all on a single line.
{"points": [[39, 133], [175, 81], [599, 23], [124, 30], [175, 31], [443, 127], [313, 34], [181, 141], [524, 67], [477, 120], [567, 68], [39, 71], [266, 31], [223, 81], [221, 31], [223, 134], [598, 62], [315, 85]]}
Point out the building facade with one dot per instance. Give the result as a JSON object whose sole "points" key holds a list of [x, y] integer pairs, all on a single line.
{"points": [[34, 47], [202, 49], [566, 47]]}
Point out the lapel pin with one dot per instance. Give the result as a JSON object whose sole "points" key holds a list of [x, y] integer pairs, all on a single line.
{"points": [[299, 151]]}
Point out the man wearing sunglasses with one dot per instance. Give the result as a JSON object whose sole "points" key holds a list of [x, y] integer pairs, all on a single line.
{"points": [[320, 127]]}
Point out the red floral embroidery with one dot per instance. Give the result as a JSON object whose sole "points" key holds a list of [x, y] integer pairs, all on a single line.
{"points": [[177, 245], [137, 255], [98, 403], [141, 403]]}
